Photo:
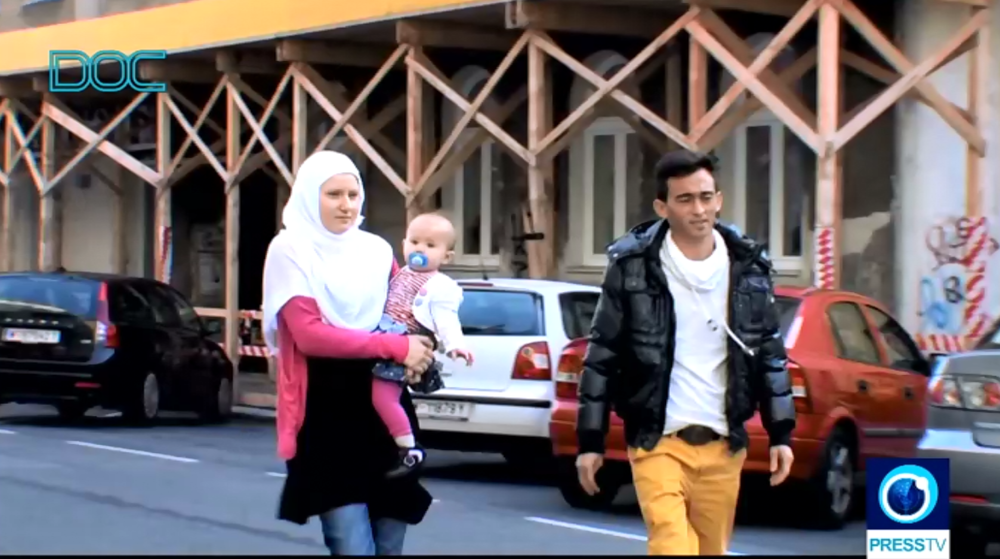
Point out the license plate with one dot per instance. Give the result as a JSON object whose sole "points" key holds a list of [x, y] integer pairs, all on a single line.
{"points": [[458, 411], [30, 336]]}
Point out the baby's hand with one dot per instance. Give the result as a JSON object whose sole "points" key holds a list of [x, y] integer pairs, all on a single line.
{"points": [[463, 354]]}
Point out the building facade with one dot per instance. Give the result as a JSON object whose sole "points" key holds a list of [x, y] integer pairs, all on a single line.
{"points": [[854, 138]]}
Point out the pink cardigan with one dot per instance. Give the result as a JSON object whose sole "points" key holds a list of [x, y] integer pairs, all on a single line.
{"points": [[301, 334]]}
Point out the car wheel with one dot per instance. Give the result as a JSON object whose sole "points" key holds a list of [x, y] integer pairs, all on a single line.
{"points": [[143, 404], [574, 495], [71, 411], [833, 487], [217, 403]]}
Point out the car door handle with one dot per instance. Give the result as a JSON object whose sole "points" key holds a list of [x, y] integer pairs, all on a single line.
{"points": [[908, 392], [863, 386]]}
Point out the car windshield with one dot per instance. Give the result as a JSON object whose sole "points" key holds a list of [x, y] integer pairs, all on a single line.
{"points": [[73, 295], [788, 307], [992, 338]]}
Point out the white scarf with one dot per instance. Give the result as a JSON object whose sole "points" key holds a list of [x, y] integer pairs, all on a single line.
{"points": [[347, 274], [702, 276]]}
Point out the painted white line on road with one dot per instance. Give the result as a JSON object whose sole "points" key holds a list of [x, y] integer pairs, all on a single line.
{"points": [[435, 500], [6, 432], [135, 452], [596, 530], [276, 474]]}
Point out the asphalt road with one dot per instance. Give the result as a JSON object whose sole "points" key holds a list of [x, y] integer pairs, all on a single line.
{"points": [[100, 486]]}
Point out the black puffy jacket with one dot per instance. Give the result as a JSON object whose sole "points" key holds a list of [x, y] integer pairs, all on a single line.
{"points": [[631, 350]]}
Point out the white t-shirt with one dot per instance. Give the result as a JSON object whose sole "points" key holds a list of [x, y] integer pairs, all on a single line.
{"points": [[698, 377]]}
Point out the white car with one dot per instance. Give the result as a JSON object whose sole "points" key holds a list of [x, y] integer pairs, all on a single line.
{"points": [[516, 330]]}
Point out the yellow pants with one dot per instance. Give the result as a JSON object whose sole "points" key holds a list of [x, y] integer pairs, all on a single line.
{"points": [[687, 495]]}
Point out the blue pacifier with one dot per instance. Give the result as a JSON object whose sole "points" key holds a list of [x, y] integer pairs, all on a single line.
{"points": [[417, 260]]}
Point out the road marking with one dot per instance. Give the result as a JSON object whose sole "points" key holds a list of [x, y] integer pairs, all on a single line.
{"points": [[135, 452], [276, 474], [597, 530], [6, 432]]}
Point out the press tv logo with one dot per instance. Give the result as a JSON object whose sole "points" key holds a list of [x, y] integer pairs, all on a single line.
{"points": [[907, 508]]}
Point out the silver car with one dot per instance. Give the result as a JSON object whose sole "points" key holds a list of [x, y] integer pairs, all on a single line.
{"points": [[963, 425]]}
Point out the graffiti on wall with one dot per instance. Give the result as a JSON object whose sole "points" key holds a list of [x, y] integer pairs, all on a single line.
{"points": [[953, 291]]}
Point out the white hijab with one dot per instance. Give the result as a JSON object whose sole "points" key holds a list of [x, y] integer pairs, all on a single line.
{"points": [[347, 274]]}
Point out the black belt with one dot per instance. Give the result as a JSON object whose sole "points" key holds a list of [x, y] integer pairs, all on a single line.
{"points": [[697, 435]]}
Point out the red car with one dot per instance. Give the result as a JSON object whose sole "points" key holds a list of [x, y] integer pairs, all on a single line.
{"points": [[858, 380]]}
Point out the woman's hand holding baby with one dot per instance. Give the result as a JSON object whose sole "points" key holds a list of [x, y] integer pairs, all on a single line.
{"points": [[420, 354]]}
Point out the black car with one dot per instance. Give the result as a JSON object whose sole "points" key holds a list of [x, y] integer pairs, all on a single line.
{"points": [[79, 340]]}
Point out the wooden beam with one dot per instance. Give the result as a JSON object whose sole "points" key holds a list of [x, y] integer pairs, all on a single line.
{"points": [[49, 205], [163, 219], [785, 8], [430, 33], [826, 262], [885, 47], [340, 54], [589, 18], [416, 154], [232, 262], [56, 111], [7, 252], [976, 179], [17, 88], [179, 72], [541, 187], [974, 3], [243, 62]]}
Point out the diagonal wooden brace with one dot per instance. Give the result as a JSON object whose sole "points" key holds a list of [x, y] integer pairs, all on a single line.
{"points": [[54, 110], [321, 90], [466, 149], [265, 141], [891, 95], [370, 128], [619, 78], [432, 75], [474, 108], [365, 92], [203, 118], [259, 131], [763, 60], [795, 123], [92, 144], [898, 60], [24, 141], [192, 134], [545, 43], [728, 123]]}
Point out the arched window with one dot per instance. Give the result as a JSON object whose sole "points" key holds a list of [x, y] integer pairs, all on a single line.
{"points": [[605, 172], [766, 176], [472, 197]]}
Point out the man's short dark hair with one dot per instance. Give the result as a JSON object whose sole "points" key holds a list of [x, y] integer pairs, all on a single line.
{"points": [[678, 164]]}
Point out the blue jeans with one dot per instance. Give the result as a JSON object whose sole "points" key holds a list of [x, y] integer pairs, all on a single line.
{"points": [[348, 530]]}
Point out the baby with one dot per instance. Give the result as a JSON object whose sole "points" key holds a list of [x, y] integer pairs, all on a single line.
{"points": [[421, 301]]}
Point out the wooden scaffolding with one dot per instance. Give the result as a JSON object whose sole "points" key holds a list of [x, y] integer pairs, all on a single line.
{"points": [[527, 30]]}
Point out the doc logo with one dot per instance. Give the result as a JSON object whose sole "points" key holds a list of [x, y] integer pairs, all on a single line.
{"points": [[907, 506]]}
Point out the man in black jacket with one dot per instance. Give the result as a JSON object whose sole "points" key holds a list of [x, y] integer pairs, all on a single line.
{"points": [[685, 345]]}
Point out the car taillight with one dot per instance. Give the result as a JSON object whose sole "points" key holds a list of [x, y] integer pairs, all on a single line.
{"points": [[106, 332], [532, 362], [569, 370], [800, 388], [965, 392]]}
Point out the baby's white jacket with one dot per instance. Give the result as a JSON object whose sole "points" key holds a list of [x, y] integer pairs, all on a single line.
{"points": [[437, 310]]}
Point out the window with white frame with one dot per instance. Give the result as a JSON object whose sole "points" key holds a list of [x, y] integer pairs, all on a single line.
{"points": [[610, 187], [769, 195], [606, 191], [473, 196], [767, 179]]}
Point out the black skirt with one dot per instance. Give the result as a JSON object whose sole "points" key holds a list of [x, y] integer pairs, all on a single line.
{"points": [[344, 450]]}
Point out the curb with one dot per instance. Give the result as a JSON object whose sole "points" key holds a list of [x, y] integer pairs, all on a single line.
{"points": [[250, 411]]}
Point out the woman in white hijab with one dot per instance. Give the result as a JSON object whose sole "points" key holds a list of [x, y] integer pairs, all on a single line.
{"points": [[325, 285]]}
